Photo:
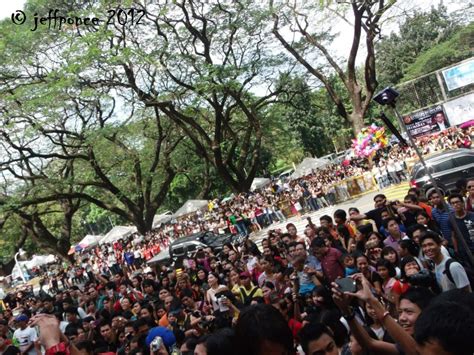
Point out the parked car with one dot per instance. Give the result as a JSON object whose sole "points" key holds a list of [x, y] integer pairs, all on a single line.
{"points": [[446, 168], [286, 174], [186, 246]]}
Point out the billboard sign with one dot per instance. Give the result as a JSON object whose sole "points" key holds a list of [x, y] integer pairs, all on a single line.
{"points": [[427, 121], [460, 110], [459, 75]]}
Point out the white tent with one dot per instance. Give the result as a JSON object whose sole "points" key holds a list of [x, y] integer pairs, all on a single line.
{"points": [[307, 165], [162, 219], [258, 183], [90, 241], [35, 261], [117, 233], [190, 206]]}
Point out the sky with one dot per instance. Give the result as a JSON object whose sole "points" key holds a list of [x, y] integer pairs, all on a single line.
{"points": [[10, 6]]}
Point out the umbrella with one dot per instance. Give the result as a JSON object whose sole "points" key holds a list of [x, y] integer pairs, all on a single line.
{"points": [[467, 124]]}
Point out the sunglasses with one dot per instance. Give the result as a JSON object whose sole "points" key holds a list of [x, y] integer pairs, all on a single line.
{"points": [[470, 186]]}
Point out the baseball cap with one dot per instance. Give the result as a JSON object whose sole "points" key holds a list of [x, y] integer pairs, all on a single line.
{"points": [[22, 318], [167, 335], [244, 274]]}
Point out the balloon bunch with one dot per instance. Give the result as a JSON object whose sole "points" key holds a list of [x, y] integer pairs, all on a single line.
{"points": [[368, 141]]}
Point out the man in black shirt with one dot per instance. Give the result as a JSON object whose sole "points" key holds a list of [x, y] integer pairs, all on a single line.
{"points": [[380, 202]]}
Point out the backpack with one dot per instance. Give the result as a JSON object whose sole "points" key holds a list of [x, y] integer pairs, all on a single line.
{"points": [[468, 269]]}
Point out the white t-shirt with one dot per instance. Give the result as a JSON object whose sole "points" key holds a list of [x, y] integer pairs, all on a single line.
{"points": [[457, 271], [25, 338], [111, 259]]}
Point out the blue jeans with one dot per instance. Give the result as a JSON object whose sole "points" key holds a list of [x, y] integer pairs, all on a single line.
{"points": [[242, 228]]}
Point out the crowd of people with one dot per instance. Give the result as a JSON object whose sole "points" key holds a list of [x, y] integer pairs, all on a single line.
{"points": [[396, 279], [248, 212]]}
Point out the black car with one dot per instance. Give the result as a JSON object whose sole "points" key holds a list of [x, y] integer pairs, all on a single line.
{"points": [[446, 168], [185, 246]]}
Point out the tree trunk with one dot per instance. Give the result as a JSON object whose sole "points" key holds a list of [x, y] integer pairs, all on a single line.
{"points": [[357, 121], [7, 268]]}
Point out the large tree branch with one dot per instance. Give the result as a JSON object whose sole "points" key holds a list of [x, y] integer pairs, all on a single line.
{"points": [[331, 91]]}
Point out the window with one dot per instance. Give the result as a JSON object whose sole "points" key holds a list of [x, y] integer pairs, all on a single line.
{"points": [[464, 160], [191, 247], [420, 173], [178, 251], [208, 238], [443, 166]]}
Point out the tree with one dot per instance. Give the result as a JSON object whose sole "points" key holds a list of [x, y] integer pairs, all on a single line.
{"points": [[418, 33], [456, 48], [66, 140], [310, 115], [307, 42], [201, 70]]}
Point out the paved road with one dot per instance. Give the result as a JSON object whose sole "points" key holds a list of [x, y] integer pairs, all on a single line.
{"points": [[363, 203]]}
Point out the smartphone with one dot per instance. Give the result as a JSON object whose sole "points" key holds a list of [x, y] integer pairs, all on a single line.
{"points": [[346, 284]]}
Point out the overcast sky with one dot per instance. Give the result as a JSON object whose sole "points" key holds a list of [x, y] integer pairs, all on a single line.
{"points": [[9, 6]]}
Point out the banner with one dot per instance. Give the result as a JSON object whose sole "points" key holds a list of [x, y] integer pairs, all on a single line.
{"points": [[460, 110], [428, 121], [460, 75]]}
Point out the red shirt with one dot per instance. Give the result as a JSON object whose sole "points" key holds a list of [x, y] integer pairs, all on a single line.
{"points": [[331, 265], [426, 207], [400, 287]]}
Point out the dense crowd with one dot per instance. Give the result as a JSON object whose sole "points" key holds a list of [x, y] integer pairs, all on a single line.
{"points": [[392, 280], [247, 212]]}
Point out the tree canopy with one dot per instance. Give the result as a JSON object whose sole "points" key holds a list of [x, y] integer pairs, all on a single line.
{"points": [[116, 122]]}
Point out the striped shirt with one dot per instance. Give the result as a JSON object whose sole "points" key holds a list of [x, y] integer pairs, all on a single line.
{"points": [[442, 218]]}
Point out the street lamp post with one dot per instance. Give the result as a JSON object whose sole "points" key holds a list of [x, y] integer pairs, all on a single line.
{"points": [[20, 252], [388, 96]]}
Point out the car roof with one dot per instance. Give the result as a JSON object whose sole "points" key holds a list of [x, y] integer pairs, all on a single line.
{"points": [[443, 155], [189, 238]]}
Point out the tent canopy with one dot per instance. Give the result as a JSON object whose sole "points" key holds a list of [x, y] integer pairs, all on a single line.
{"points": [[162, 219], [35, 261], [258, 183], [90, 241], [118, 232], [308, 164], [190, 206]]}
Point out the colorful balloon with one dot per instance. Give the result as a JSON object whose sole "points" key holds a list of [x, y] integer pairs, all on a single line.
{"points": [[368, 141]]}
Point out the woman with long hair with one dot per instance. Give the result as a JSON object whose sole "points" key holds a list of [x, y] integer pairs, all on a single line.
{"points": [[390, 254]]}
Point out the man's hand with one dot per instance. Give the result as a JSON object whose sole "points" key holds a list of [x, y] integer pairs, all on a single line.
{"points": [[48, 324], [364, 294]]}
